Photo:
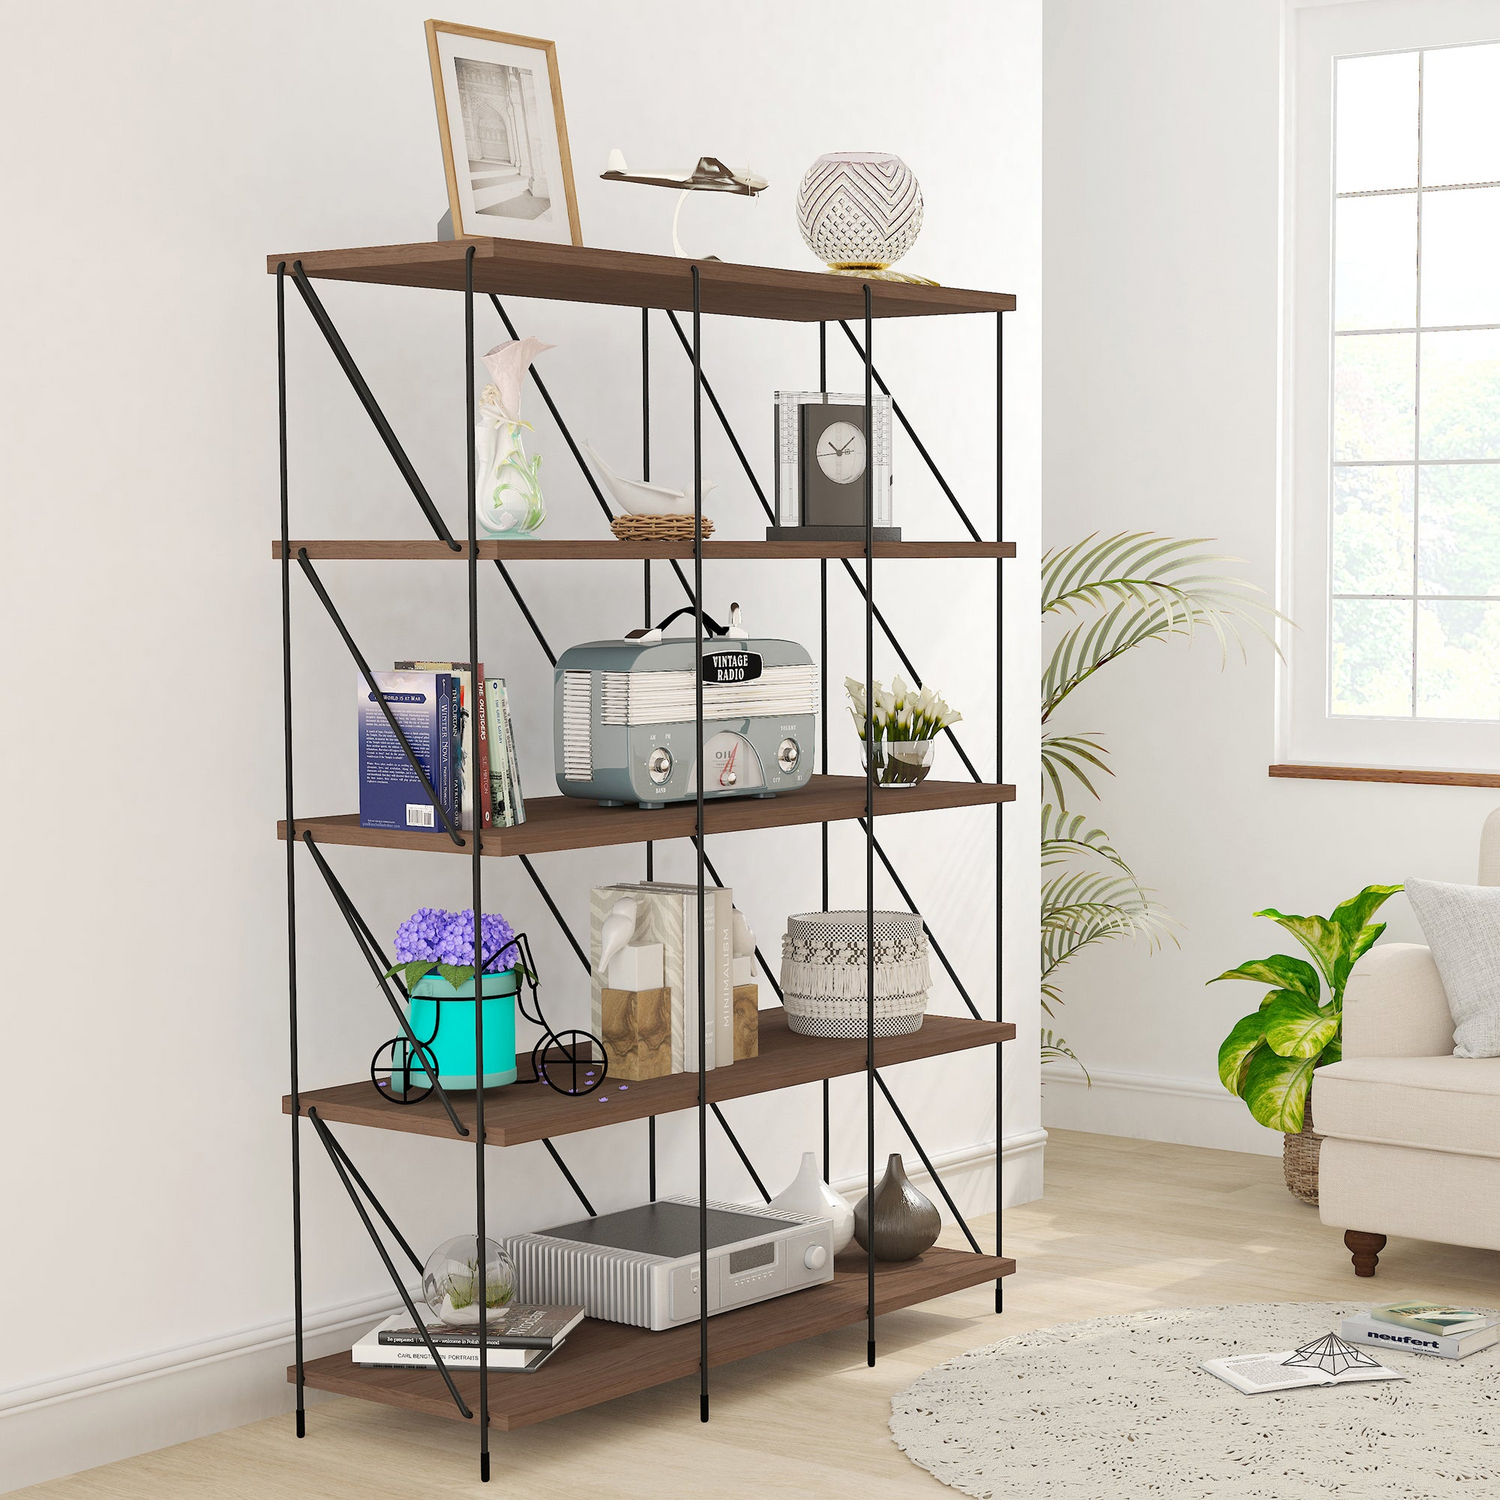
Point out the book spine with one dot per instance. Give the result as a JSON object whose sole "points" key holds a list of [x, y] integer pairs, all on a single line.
{"points": [[443, 783], [467, 1359], [1413, 1341], [486, 801], [517, 797], [410, 1338], [499, 759]]}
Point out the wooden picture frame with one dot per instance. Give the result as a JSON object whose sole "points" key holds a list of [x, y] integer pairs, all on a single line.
{"points": [[499, 102]]}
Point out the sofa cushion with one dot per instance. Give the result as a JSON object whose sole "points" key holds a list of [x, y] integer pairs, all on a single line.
{"points": [[1436, 1103], [1462, 926]]}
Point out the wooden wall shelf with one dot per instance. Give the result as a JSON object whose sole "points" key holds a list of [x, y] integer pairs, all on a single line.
{"points": [[522, 1112], [623, 278], [554, 823], [550, 549], [600, 1361]]}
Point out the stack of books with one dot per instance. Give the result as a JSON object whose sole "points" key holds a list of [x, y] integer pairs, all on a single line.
{"points": [[519, 1338], [432, 702], [1425, 1328]]}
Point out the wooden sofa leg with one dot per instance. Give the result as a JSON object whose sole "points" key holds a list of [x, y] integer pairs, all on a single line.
{"points": [[1365, 1248]]}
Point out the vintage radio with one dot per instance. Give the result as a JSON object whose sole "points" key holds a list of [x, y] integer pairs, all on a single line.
{"points": [[624, 715], [641, 1265]]}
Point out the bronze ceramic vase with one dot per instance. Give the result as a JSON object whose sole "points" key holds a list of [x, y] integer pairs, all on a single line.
{"points": [[906, 1224]]}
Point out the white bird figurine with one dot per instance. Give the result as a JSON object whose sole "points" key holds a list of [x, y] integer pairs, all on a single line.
{"points": [[616, 932], [638, 498]]}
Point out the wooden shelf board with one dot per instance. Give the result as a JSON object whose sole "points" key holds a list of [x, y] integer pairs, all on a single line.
{"points": [[554, 823], [623, 278], [551, 549], [522, 1112], [600, 1361], [1410, 776]]}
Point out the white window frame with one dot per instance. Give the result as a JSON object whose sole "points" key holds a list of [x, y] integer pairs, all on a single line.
{"points": [[1316, 34]]}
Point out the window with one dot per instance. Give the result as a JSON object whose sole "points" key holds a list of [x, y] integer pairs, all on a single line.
{"points": [[1393, 551]]}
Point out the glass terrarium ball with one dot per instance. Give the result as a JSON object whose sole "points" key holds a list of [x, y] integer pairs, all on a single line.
{"points": [[452, 1281]]}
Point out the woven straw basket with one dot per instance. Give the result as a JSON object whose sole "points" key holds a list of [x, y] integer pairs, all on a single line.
{"points": [[1299, 1159], [824, 972]]}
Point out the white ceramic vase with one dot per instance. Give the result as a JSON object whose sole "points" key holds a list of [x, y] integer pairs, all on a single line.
{"points": [[859, 211], [809, 1195]]}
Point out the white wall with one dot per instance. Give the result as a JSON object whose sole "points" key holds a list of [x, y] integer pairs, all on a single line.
{"points": [[1161, 233], [164, 150]]}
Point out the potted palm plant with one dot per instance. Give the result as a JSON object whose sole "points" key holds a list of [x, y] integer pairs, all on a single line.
{"points": [[1270, 1056]]}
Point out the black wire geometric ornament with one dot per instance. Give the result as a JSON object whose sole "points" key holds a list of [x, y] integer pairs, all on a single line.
{"points": [[1332, 1355]]}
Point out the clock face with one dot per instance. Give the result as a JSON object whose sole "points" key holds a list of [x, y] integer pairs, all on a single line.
{"points": [[841, 452]]}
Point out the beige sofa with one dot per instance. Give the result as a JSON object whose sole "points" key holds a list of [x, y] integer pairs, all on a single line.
{"points": [[1412, 1133]]}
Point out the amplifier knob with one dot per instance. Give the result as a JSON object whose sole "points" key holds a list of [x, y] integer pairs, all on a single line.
{"points": [[816, 1257], [788, 753], [659, 765]]}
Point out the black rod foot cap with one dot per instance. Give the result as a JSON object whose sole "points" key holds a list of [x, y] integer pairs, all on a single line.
{"points": [[870, 1354], [703, 1407], [301, 1423], [484, 1468]]}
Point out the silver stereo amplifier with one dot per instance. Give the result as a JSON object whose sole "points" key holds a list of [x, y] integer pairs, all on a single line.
{"points": [[624, 717], [641, 1266]]}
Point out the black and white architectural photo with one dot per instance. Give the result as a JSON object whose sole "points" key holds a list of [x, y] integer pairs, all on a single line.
{"points": [[502, 140]]}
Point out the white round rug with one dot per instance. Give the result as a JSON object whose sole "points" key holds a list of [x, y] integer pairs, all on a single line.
{"points": [[1117, 1408]]}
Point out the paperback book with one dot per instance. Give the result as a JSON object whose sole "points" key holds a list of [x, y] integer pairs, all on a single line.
{"points": [[370, 1351], [390, 792], [505, 779], [520, 1325], [1364, 1328], [466, 695], [1434, 1317]]}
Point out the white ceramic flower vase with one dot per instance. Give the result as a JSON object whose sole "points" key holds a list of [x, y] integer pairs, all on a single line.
{"points": [[809, 1195], [508, 495]]}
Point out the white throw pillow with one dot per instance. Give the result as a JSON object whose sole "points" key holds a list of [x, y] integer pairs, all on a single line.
{"points": [[1462, 926]]}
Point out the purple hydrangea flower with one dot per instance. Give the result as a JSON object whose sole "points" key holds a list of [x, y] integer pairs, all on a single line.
{"points": [[447, 937]]}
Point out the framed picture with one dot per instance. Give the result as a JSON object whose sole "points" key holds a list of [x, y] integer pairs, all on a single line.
{"points": [[505, 141]]}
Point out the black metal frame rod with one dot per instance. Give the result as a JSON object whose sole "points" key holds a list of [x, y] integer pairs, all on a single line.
{"points": [[370, 404], [291, 852], [999, 807], [385, 708], [332, 1143], [365, 940], [521, 604], [823, 695], [335, 1152], [646, 621], [562, 1167], [476, 866], [917, 442], [933, 943], [932, 1171], [869, 594], [700, 829], [567, 931]]}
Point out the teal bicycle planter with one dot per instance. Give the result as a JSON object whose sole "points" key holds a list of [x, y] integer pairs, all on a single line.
{"points": [[442, 1019]]}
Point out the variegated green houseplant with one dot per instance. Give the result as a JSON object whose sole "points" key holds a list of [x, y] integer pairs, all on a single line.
{"points": [[1270, 1056]]}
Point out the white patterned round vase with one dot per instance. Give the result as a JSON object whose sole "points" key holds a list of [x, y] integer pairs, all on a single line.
{"points": [[825, 973], [859, 211]]}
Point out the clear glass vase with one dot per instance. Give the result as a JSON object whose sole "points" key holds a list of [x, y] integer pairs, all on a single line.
{"points": [[509, 492], [902, 762]]}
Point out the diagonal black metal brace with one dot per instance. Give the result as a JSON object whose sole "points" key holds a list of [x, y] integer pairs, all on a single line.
{"points": [[335, 1144], [385, 707], [530, 618], [936, 947], [911, 432], [760, 957], [335, 1155], [927, 1162], [379, 964], [370, 404], [567, 931], [562, 1167], [739, 1151]]}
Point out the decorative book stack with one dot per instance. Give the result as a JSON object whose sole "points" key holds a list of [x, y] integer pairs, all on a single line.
{"points": [[519, 1337], [645, 941]]}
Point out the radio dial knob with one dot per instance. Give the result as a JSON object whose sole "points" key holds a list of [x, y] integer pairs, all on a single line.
{"points": [[815, 1258], [659, 765], [788, 753]]}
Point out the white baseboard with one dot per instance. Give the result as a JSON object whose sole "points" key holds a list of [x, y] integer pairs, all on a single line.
{"points": [[108, 1412], [1152, 1107]]}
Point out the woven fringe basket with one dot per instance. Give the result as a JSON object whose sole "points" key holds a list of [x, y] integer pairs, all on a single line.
{"points": [[1299, 1159]]}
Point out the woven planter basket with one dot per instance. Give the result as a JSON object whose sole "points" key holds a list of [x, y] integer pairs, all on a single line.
{"points": [[657, 528], [1299, 1159]]}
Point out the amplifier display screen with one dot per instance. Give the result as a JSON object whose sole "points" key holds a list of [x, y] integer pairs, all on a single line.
{"points": [[748, 1260]]}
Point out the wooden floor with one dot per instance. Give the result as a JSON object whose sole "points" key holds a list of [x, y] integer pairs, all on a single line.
{"points": [[1124, 1225]]}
